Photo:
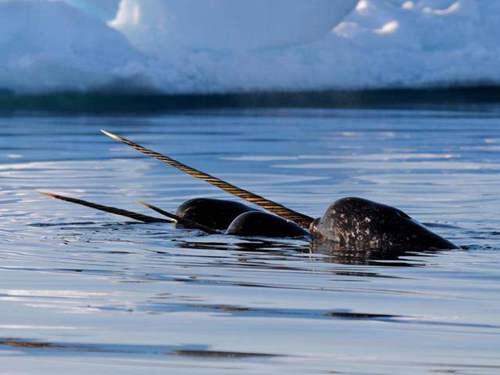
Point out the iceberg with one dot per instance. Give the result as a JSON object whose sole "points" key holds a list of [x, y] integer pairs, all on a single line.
{"points": [[209, 46], [102, 9], [227, 24], [51, 46]]}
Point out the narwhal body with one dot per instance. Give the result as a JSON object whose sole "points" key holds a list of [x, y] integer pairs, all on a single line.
{"points": [[234, 218], [356, 223], [262, 224], [214, 213], [348, 224]]}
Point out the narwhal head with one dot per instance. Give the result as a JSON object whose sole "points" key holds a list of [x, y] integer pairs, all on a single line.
{"points": [[360, 224], [213, 213]]}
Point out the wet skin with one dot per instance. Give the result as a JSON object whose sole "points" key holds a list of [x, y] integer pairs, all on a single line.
{"points": [[213, 213], [237, 219], [262, 224], [360, 224]]}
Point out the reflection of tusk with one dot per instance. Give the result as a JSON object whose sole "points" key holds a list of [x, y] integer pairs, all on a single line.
{"points": [[180, 220], [111, 210], [276, 208]]}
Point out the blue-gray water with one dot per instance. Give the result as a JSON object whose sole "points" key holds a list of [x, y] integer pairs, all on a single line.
{"points": [[85, 292]]}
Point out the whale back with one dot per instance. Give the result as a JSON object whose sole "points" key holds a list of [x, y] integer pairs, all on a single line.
{"points": [[213, 213], [360, 224], [262, 224]]}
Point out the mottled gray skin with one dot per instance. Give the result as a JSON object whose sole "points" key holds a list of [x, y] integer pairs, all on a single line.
{"points": [[360, 224], [213, 213], [256, 223]]}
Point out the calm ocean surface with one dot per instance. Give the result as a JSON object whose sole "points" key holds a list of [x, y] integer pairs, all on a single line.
{"points": [[86, 292]]}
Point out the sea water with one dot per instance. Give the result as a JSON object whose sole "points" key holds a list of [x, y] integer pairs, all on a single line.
{"points": [[87, 292]]}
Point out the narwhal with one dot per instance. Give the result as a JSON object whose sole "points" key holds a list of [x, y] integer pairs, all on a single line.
{"points": [[350, 224]]}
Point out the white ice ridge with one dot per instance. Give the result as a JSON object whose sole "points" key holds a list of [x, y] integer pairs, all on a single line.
{"points": [[227, 24], [240, 45]]}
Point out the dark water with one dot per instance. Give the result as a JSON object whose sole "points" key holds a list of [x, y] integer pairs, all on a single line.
{"points": [[83, 291]]}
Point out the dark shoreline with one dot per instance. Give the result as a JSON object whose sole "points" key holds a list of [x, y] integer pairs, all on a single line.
{"points": [[145, 103]]}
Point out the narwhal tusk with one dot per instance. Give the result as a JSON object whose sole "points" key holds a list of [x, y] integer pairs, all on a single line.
{"points": [[111, 210], [276, 208], [185, 222]]}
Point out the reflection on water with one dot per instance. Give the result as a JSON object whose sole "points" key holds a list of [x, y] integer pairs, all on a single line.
{"points": [[80, 284]]}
